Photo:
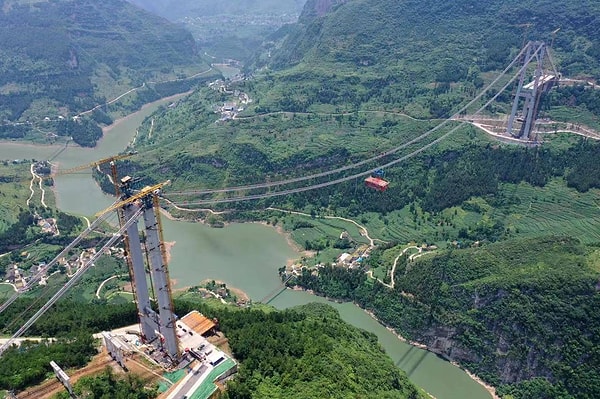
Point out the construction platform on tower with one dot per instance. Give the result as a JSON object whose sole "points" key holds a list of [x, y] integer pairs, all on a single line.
{"points": [[202, 365]]}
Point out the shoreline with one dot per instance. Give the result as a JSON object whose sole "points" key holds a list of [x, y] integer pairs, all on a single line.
{"points": [[107, 129], [290, 241], [489, 388], [239, 293]]}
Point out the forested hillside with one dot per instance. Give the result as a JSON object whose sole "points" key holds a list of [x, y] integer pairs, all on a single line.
{"points": [[297, 353], [307, 352], [359, 53], [353, 78], [388, 35], [520, 313], [63, 57]]}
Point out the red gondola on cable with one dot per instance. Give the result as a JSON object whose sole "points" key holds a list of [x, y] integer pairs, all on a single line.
{"points": [[377, 183]]}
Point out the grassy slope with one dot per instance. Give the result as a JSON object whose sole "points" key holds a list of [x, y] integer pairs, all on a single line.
{"points": [[14, 192]]}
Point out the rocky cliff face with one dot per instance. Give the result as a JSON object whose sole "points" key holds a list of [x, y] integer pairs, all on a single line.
{"points": [[494, 345]]}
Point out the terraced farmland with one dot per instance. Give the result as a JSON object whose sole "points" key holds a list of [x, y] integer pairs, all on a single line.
{"points": [[556, 210]]}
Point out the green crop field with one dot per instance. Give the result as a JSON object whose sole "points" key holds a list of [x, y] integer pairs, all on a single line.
{"points": [[120, 297], [6, 291], [557, 210], [322, 227], [404, 227], [15, 191]]}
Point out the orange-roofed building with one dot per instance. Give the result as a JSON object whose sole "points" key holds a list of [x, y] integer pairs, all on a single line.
{"points": [[199, 323]]}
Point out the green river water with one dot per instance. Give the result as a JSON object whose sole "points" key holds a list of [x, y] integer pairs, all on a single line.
{"points": [[245, 256]]}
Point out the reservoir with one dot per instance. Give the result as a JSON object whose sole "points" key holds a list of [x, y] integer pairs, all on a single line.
{"points": [[245, 256]]}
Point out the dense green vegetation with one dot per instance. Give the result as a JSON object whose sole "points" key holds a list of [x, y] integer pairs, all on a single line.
{"points": [[17, 219], [72, 322], [68, 316], [91, 53], [110, 385], [306, 352], [346, 83], [74, 351], [14, 180], [342, 86], [509, 311], [297, 353], [387, 35]]}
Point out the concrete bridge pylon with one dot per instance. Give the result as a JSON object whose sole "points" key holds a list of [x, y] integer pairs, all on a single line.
{"points": [[528, 96]]}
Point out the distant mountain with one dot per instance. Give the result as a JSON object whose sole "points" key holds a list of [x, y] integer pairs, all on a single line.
{"points": [[419, 58], [66, 56], [227, 29], [175, 9]]}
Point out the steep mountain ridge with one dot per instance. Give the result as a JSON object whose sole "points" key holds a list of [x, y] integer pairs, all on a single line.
{"points": [[317, 8], [66, 56], [518, 313], [385, 33]]}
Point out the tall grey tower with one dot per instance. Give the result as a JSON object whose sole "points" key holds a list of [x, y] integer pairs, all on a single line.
{"points": [[157, 328], [527, 97]]}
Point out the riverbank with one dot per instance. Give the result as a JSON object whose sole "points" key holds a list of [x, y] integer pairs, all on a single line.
{"points": [[117, 122], [245, 256], [290, 241], [296, 246], [489, 388], [475, 378], [241, 295]]}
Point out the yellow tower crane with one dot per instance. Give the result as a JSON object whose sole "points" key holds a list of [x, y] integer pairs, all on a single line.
{"points": [[94, 164], [144, 192]]}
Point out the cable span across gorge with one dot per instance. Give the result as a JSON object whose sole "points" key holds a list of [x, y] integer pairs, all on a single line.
{"points": [[168, 196]]}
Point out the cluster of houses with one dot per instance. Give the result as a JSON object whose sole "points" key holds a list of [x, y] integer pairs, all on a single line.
{"points": [[228, 110], [48, 225], [355, 259], [19, 277]]}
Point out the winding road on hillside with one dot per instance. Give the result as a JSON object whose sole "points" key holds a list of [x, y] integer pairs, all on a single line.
{"points": [[117, 98], [143, 85], [33, 177], [363, 229], [393, 271], [106, 281]]}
